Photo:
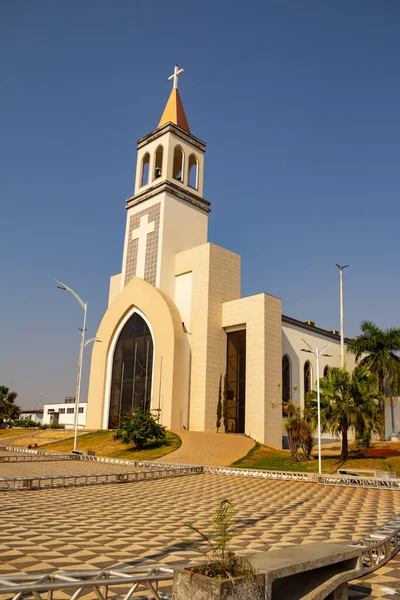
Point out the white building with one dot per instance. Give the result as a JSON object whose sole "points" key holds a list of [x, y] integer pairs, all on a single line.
{"points": [[64, 414], [35, 415]]}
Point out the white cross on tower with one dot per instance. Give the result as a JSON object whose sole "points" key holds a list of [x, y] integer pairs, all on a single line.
{"points": [[141, 234], [175, 76]]}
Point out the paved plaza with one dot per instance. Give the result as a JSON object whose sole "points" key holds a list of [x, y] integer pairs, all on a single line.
{"points": [[142, 522]]}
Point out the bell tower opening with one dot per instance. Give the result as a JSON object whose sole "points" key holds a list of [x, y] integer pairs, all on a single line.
{"points": [[177, 168], [158, 162], [145, 169]]}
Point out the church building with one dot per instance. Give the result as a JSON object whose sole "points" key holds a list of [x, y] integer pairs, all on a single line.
{"points": [[176, 323]]}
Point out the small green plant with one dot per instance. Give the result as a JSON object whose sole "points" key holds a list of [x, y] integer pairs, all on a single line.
{"points": [[388, 466], [138, 428], [219, 404], [221, 563]]}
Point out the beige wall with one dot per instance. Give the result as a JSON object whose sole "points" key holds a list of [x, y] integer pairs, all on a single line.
{"points": [[215, 280], [169, 349], [183, 226], [115, 287], [260, 315]]}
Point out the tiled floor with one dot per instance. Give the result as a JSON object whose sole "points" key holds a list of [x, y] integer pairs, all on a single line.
{"points": [[139, 522]]}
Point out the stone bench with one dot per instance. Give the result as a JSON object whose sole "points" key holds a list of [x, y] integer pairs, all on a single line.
{"points": [[309, 572]]}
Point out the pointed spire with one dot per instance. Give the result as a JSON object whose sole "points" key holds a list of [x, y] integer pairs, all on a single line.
{"points": [[174, 112]]}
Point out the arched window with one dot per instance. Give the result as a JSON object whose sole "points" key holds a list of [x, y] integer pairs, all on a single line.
{"points": [[193, 171], [286, 383], [177, 168], [326, 371], [144, 180], [158, 162], [131, 370], [286, 379], [307, 377]]}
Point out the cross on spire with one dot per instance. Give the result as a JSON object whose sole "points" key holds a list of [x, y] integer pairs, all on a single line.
{"points": [[175, 76]]}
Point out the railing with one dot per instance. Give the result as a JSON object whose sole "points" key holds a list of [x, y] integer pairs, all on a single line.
{"points": [[383, 483], [260, 474], [36, 458], [380, 546], [62, 481], [76, 583]]}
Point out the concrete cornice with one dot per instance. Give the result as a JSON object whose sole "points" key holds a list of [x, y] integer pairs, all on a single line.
{"points": [[171, 188], [178, 131]]}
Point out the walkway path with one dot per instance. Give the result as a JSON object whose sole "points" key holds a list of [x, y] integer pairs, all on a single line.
{"points": [[212, 449]]}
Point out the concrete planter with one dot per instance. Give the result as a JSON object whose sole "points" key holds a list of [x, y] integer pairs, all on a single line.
{"points": [[193, 586]]}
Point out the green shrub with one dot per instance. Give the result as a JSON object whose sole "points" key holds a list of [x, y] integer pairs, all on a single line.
{"points": [[25, 423], [52, 426], [138, 428]]}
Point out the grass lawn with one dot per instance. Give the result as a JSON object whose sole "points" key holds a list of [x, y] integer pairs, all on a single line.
{"points": [[103, 444], [8, 433], [263, 457]]}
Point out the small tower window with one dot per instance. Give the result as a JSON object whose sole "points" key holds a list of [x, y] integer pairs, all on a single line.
{"points": [[145, 169], [158, 162], [193, 171], [326, 371], [177, 169]]}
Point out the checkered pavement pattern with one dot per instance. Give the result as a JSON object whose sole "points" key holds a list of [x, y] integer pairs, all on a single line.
{"points": [[143, 522]]}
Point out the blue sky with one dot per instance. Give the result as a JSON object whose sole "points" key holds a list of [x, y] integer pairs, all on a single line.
{"points": [[299, 105]]}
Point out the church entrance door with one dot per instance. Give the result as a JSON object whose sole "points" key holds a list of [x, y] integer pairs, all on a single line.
{"points": [[132, 370], [236, 381]]}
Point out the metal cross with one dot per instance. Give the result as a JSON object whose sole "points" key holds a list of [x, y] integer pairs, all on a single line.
{"points": [[175, 76]]}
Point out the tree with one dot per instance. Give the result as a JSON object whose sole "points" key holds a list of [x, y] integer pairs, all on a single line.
{"points": [[225, 405], [219, 404], [377, 350], [139, 428], [348, 400], [9, 411], [299, 432]]}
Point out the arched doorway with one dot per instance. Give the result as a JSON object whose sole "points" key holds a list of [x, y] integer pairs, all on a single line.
{"points": [[132, 370]]}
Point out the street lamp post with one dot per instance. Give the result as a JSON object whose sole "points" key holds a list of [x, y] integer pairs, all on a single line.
{"points": [[83, 304], [318, 353], [341, 313]]}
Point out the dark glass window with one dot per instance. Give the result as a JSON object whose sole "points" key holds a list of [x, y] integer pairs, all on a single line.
{"points": [[80, 409], [286, 382], [132, 370], [70, 411], [62, 411], [326, 371], [307, 377], [236, 381]]}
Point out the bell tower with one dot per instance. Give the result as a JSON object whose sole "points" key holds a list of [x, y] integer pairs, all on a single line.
{"points": [[167, 213]]}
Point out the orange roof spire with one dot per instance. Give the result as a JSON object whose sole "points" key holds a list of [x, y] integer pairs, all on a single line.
{"points": [[174, 111]]}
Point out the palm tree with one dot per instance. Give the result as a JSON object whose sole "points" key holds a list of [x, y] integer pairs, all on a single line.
{"points": [[8, 409], [347, 401], [377, 350]]}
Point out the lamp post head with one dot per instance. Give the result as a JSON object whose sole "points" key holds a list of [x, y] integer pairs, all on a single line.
{"points": [[341, 267]]}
